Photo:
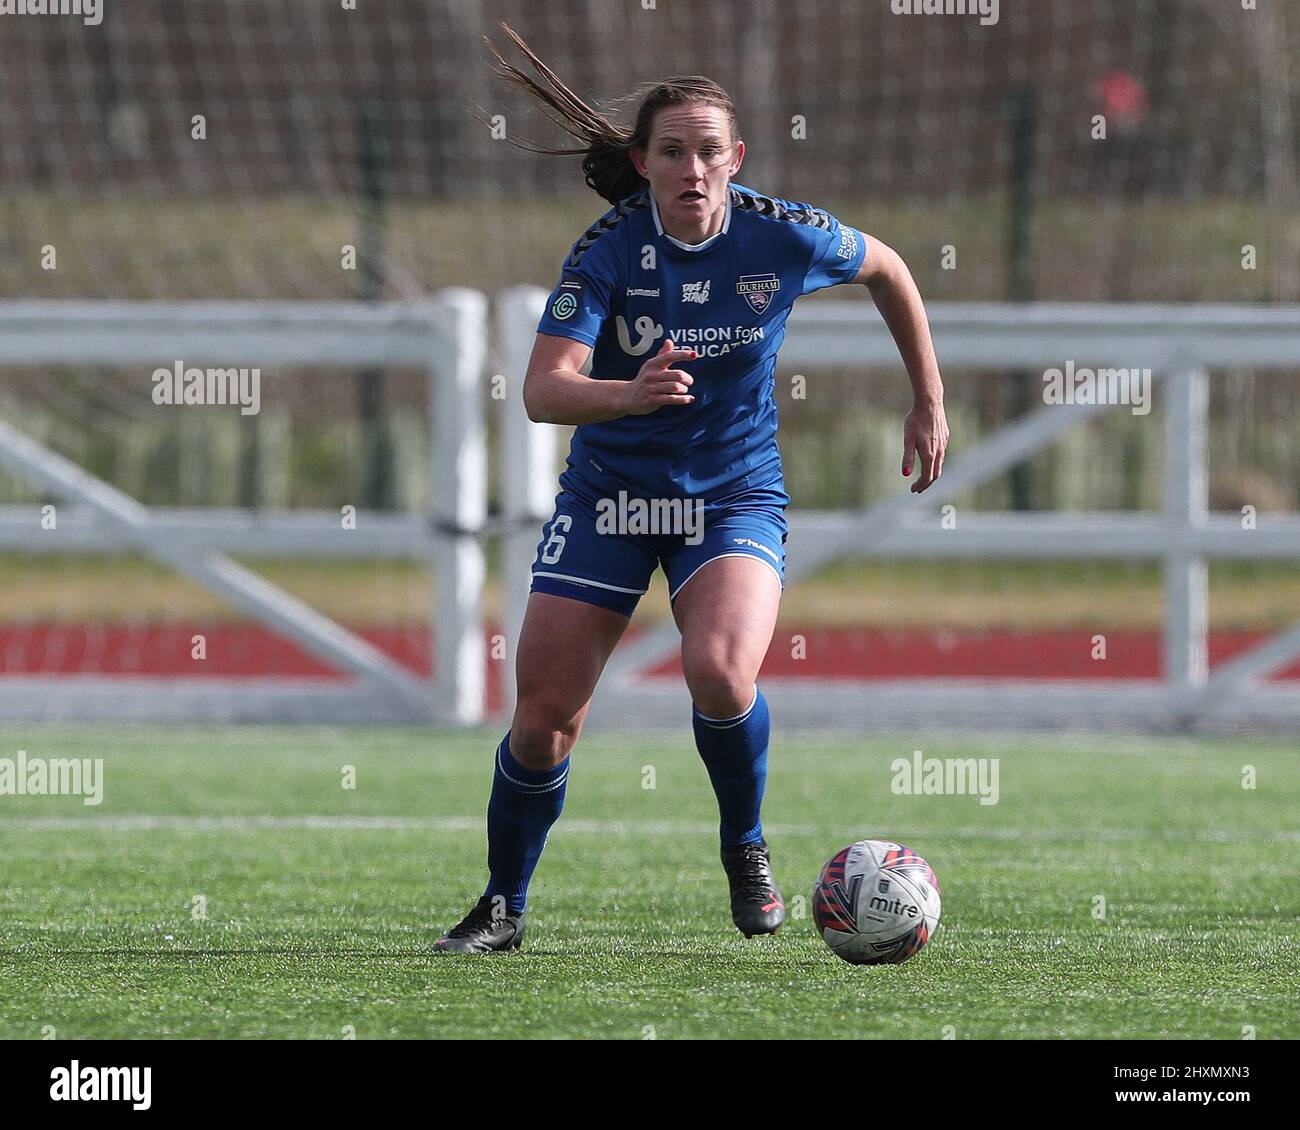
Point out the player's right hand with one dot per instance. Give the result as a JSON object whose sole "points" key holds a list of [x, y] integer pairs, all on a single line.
{"points": [[658, 383]]}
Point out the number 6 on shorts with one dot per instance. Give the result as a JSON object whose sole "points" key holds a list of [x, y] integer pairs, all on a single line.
{"points": [[555, 543]]}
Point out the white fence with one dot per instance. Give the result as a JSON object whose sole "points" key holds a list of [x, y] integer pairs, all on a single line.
{"points": [[448, 336], [1179, 344]]}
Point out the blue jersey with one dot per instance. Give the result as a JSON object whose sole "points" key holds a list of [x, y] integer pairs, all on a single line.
{"points": [[627, 285]]}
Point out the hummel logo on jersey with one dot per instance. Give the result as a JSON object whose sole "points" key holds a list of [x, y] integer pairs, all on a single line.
{"points": [[757, 290], [696, 292]]}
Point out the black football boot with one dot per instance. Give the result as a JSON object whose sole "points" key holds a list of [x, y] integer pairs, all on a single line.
{"points": [[485, 929], [756, 904]]}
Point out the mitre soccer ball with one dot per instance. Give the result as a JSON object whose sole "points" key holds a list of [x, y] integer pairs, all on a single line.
{"points": [[876, 902]]}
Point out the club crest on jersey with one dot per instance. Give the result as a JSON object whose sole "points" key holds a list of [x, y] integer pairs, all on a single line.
{"points": [[757, 290]]}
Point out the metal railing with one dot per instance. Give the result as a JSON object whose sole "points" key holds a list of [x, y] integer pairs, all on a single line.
{"points": [[1179, 344], [446, 336]]}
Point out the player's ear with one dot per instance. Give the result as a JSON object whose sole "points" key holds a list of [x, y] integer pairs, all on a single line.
{"points": [[738, 157], [637, 154]]}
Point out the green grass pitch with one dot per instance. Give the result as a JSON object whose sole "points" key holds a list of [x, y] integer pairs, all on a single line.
{"points": [[230, 886]]}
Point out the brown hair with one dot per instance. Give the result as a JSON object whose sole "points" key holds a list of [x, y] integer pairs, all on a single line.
{"points": [[606, 162]]}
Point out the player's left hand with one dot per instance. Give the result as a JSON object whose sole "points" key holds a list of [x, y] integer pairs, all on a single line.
{"points": [[925, 433]]}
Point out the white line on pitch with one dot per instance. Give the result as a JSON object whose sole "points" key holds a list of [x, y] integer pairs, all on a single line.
{"points": [[145, 823]]}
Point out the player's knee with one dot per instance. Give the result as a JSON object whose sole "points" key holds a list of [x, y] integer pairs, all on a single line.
{"points": [[542, 734], [718, 689]]}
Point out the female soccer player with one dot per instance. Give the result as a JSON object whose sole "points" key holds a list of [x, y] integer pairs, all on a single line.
{"points": [[682, 290]]}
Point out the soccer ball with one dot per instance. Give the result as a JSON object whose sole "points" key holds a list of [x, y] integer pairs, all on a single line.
{"points": [[876, 902]]}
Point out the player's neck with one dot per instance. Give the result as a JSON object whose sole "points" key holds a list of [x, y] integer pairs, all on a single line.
{"points": [[692, 234]]}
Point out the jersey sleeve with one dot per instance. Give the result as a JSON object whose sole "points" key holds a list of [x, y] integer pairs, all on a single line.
{"points": [[584, 296], [835, 253]]}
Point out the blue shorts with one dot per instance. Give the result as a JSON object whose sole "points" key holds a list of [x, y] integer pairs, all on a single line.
{"points": [[604, 552]]}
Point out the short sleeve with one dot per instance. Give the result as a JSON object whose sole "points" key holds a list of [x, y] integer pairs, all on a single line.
{"points": [[835, 254], [582, 299]]}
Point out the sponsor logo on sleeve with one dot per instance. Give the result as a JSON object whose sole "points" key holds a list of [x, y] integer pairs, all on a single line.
{"points": [[848, 243], [566, 301]]}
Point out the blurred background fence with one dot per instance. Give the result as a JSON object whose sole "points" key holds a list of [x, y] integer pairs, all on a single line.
{"points": [[232, 149], [325, 128]]}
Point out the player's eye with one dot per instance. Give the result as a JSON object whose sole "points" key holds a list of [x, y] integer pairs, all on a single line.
{"points": [[671, 151]]}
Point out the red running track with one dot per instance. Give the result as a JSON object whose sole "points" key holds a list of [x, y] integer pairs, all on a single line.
{"points": [[243, 652]]}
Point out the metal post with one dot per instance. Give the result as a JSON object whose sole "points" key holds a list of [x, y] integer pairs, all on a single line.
{"points": [[460, 502], [372, 394], [1186, 650], [1020, 285]]}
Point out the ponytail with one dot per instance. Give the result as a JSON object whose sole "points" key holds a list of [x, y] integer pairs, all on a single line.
{"points": [[606, 145]]}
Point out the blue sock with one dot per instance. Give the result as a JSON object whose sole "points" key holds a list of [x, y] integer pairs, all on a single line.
{"points": [[734, 751], [524, 805]]}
